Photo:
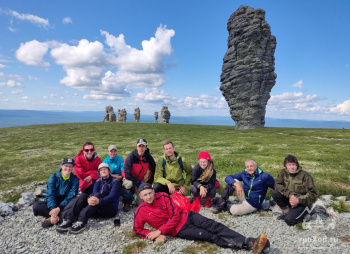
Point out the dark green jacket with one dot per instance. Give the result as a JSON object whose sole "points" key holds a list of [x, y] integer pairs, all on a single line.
{"points": [[299, 184], [172, 172]]}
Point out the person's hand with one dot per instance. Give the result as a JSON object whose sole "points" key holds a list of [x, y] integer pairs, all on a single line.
{"points": [[239, 189], [182, 190], [87, 179], [160, 239], [54, 212], [202, 192], [293, 201], [54, 219], [153, 234], [171, 188], [93, 201]]}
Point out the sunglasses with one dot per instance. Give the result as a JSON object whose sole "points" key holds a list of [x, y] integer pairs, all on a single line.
{"points": [[89, 150]]}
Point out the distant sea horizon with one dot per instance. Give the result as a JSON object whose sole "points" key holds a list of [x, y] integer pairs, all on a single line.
{"points": [[13, 118]]}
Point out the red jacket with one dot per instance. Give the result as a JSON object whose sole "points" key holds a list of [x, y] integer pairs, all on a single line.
{"points": [[84, 168], [136, 167], [163, 214]]}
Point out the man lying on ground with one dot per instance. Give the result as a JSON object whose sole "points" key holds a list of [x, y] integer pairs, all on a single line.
{"points": [[159, 212]]}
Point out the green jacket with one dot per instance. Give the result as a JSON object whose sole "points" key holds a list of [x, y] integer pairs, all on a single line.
{"points": [[172, 172], [299, 184]]}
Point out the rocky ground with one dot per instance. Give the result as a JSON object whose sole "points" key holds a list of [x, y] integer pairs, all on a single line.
{"points": [[22, 233]]}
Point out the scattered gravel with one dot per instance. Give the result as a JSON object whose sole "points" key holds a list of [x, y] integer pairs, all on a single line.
{"points": [[22, 233]]}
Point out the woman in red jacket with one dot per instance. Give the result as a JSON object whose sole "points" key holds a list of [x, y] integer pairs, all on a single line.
{"points": [[86, 165]]}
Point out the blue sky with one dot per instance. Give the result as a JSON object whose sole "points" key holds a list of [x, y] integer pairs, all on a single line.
{"points": [[85, 55]]}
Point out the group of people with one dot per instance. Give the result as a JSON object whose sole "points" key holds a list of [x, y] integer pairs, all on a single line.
{"points": [[149, 184]]}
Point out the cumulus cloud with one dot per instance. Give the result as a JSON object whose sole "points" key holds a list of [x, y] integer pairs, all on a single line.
{"points": [[343, 108], [4, 99], [299, 84], [34, 19], [31, 78], [102, 97], [25, 98], [11, 83], [32, 53], [153, 95], [2, 66], [67, 20], [17, 91]]}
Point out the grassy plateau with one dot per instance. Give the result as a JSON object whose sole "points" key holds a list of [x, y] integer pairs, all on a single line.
{"points": [[33, 153]]}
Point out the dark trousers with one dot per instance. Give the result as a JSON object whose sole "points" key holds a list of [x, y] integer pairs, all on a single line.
{"points": [[158, 187], [195, 191], [295, 215], [79, 209], [40, 208], [200, 228]]}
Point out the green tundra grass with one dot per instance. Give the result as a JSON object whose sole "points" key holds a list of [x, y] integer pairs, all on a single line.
{"points": [[33, 153]]}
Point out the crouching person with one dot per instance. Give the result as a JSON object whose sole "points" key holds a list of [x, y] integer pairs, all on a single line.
{"points": [[251, 195], [61, 188], [102, 203], [159, 212], [294, 191]]}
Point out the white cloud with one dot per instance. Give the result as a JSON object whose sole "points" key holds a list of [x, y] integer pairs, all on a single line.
{"points": [[102, 97], [2, 66], [31, 78], [17, 91], [10, 83], [32, 53], [294, 102], [343, 108], [12, 29], [25, 98], [299, 84], [36, 20], [153, 95], [1, 92], [4, 100], [67, 20], [16, 77]]}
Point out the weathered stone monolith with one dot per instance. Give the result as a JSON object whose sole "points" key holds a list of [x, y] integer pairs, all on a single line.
{"points": [[164, 115], [137, 115], [156, 117], [121, 116], [248, 67], [109, 114]]}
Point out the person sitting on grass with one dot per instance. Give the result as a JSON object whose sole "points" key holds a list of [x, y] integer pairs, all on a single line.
{"points": [[102, 203], [86, 164], [170, 170], [204, 179], [158, 210], [61, 188], [294, 191], [251, 195]]}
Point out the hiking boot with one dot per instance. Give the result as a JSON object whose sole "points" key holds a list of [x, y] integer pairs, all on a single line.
{"points": [[257, 245], [207, 202], [220, 207], [281, 217], [64, 226], [77, 227], [46, 223], [127, 206]]}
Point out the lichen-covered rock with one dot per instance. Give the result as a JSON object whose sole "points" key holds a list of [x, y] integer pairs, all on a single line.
{"points": [[121, 117], [109, 114], [137, 115], [165, 115], [26, 200], [5, 209], [248, 67], [156, 117]]}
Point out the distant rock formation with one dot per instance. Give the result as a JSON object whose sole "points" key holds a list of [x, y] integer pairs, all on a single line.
{"points": [[121, 117], [165, 115], [109, 114], [156, 117], [248, 70], [137, 115]]}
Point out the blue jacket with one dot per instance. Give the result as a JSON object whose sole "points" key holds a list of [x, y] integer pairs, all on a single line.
{"points": [[255, 187], [109, 189], [116, 164], [57, 187]]}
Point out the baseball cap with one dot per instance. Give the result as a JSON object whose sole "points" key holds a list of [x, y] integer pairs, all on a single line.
{"points": [[111, 147], [103, 165], [141, 141], [145, 186], [68, 161]]}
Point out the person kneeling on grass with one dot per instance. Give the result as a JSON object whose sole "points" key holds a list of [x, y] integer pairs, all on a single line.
{"points": [[294, 191], [251, 195], [159, 212], [61, 188], [102, 203]]}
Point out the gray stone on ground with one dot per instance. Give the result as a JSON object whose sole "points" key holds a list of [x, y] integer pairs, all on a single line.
{"points": [[5, 209], [137, 114], [164, 115], [109, 114], [248, 75], [26, 200]]}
